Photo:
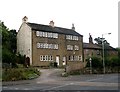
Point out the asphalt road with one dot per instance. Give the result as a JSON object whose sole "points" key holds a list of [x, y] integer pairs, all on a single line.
{"points": [[51, 80]]}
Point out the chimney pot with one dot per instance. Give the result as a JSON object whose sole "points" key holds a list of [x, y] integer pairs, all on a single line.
{"points": [[73, 28], [25, 19], [51, 23]]}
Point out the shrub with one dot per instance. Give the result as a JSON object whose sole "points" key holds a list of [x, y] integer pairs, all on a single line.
{"points": [[19, 74], [96, 62]]}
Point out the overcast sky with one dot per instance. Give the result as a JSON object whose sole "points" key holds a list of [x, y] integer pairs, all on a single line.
{"points": [[89, 16]]}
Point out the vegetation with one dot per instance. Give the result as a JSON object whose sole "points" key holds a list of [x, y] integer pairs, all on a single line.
{"points": [[13, 64], [13, 74], [99, 41]]}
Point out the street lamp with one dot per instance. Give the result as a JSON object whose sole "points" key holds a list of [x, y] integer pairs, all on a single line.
{"points": [[90, 60], [103, 51]]}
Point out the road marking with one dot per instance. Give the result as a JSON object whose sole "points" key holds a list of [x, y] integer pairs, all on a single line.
{"points": [[60, 86], [16, 88], [94, 79], [5, 87], [25, 89]]}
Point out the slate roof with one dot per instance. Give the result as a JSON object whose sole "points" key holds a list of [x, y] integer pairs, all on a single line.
{"points": [[90, 46], [96, 46], [47, 28]]}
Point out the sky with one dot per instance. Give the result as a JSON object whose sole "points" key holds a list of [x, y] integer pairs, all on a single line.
{"points": [[96, 17]]}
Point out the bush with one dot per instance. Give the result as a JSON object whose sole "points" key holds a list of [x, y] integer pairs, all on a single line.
{"points": [[96, 62], [19, 74]]}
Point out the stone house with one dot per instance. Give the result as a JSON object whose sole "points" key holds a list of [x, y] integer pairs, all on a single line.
{"points": [[91, 49], [44, 44]]}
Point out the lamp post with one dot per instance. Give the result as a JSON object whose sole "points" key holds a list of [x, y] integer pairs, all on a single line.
{"points": [[103, 51], [90, 60]]}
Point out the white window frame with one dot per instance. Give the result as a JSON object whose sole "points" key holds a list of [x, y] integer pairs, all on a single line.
{"points": [[69, 47], [37, 33], [38, 45], [40, 34], [41, 57], [50, 35], [76, 47], [55, 35]]}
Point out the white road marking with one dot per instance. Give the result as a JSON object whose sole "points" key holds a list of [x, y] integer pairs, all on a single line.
{"points": [[94, 79], [5, 87], [60, 86], [25, 89], [16, 88]]}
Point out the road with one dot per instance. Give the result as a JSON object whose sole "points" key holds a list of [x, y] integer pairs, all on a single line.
{"points": [[51, 80]]}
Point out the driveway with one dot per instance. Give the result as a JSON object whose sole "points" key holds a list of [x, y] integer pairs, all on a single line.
{"points": [[50, 79]]}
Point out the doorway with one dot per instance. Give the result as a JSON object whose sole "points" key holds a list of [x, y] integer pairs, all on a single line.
{"points": [[58, 60]]}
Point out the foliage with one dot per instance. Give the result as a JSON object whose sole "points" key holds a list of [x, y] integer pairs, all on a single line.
{"points": [[99, 41], [14, 74], [96, 62], [8, 44]]}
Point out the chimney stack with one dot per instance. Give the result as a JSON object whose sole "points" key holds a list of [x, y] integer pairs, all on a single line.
{"points": [[73, 28], [51, 23], [25, 19], [90, 39]]}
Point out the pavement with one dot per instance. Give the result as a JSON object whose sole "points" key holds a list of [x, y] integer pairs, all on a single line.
{"points": [[46, 75]]}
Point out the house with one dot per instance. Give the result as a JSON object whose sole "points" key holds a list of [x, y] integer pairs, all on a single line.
{"points": [[96, 50], [44, 44]]}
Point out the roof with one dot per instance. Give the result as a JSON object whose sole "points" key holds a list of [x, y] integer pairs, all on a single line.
{"points": [[47, 28], [97, 46], [90, 46]]}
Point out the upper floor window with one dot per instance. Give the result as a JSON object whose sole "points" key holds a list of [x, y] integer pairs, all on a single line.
{"points": [[55, 35], [46, 45], [70, 37], [46, 34], [50, 35], [37, 33], [76, 47], [75, 37], [69, 47]]}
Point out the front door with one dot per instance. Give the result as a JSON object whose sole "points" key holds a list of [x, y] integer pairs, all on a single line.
{"points": [[57, 60], [64, 60]]}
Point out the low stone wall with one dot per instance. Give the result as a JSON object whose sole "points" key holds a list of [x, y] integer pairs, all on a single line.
{"points": [[76, 66]]}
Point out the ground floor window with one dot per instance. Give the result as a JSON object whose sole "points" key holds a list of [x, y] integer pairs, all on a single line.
{"points": [[46, 58], [75, 58]]}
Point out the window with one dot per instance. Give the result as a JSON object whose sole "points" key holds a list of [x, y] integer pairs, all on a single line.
{"points": [[50, 35], [38, 45], [46, 58], [70, 37], [44, 34], [69, 58], [67, 36], [75, 37], [50, 58], [47, 46], [55, 35], [80, 58], [69, 47], [37, 33], [41, 58], [55, 46], [40, 34], [76, 47]]}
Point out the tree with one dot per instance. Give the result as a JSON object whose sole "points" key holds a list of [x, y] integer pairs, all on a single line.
{"points": [[99, 41], [8, 44]]}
